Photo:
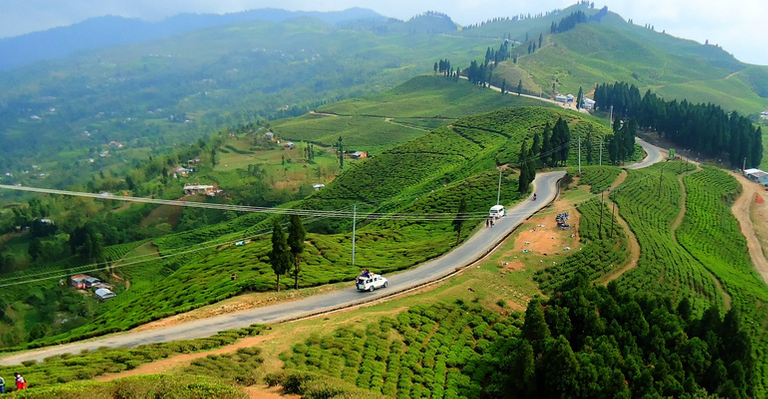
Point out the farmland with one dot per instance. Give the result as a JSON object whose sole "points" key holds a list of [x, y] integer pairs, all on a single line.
{"points": [[429, 174]]}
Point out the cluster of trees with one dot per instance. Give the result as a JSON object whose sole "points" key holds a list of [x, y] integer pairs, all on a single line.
{"points": [[478, 74], [527, 161], [286, 251], [622, 144], [704, 128], [443, 66], [598, 342], [496, 56], [568, 23], [555, 144]]}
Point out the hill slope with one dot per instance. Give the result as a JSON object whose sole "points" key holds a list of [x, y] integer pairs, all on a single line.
{"points": [[108, 31]]}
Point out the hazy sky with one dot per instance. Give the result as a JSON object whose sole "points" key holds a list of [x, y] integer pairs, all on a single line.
{"points": [[738, 25]]}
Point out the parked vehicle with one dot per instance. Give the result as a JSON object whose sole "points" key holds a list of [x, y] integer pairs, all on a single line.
{"points": [[370, 282], [497, 211]]}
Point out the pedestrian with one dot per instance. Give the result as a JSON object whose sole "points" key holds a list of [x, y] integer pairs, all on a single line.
{"points": [[487, 222], [491, 223], [20, 383], [2, 385]]}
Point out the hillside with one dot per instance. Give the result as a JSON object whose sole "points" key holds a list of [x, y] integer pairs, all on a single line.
{"points": [[164, 93], [429, 174], [95, 33], [612, 49]]}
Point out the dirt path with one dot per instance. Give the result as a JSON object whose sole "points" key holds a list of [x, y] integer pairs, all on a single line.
{"points": [[163, 366], [633, 246], [741, 209], [619, 179], [679, 220], [322, 113]]}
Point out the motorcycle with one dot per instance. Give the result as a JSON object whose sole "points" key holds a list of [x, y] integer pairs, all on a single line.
{"points": [[534, 197]]}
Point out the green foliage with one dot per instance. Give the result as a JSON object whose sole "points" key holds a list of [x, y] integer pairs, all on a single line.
{"points": [[156, 385], [598, 178], [444, 349], [65, 368], [603, 250], [239, 367], [605, 342], [664, 266], [712, 235]]}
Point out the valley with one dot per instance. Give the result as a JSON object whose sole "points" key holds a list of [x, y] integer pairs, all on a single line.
{"points": [[200, 204]]}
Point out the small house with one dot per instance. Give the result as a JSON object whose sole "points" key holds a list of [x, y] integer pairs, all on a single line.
{"points": [[358, 155], [318, 186], [104, 294], [560, 98], [569, 98], [756, 175], [78, 281], [191, 189], [588, 103], [89, 281], [269, 135]]}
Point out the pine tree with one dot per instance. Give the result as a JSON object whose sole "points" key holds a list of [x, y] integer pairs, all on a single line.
{"points": [[546, 145], [503, 85], [580, 99], [296, 235], [280, 256], [520, 87]]}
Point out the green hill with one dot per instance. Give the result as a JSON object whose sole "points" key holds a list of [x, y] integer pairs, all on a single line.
{"points": [[429, 174], [613, 49]]}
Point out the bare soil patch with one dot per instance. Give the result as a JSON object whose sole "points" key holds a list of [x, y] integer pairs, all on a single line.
{"points": [[265, 392]]}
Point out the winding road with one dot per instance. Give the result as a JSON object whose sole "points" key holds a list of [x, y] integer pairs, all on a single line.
{"points": [[475, 248], [480, 244]]}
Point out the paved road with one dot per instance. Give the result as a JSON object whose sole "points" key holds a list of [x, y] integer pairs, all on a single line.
{"points": [[545, 186], [653, 155]]}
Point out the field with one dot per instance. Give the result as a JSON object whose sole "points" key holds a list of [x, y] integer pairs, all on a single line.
{"points": [[711, 234]]}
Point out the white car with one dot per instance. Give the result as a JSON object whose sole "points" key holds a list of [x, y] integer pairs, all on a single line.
{"points": [[373, 282]]}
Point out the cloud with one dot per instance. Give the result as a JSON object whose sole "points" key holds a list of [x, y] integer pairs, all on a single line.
{"points": [[735, 25]]}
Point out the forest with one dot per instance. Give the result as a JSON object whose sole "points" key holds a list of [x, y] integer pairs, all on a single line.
{"points": [[704, 128]]}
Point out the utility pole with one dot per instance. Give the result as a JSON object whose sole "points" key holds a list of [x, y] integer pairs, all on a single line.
{"points": [[579, 156], [354, 227], [745, 164], [498, 195], [601, 150], [613, 214], [661, 176], [601, 213], [610, 118]]}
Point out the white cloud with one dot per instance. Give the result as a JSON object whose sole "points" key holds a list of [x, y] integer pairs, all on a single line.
{"points": [[735, 25]]}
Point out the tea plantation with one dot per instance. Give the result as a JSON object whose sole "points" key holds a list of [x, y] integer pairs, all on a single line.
{"points": [[427, 175]]}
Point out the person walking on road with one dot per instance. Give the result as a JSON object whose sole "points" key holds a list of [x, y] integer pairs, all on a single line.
{"points": [[20, 382]]}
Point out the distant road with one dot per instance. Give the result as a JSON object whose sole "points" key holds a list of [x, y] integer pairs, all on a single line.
{"points": [[481, 243]]}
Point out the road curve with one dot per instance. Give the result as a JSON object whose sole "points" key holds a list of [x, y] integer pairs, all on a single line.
{"points": [[477, 246], [653, 154]]}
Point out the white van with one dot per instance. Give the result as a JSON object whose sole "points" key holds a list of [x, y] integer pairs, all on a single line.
{"points": [[374, 281], [497, 211]]}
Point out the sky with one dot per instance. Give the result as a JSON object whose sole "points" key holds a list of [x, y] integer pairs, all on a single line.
{"points": [[738, 25]]}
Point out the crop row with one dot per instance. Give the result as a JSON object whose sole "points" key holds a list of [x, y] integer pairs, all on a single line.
{"points": [[429, 351], [599, 178], [649, 206], [711, 233]]}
